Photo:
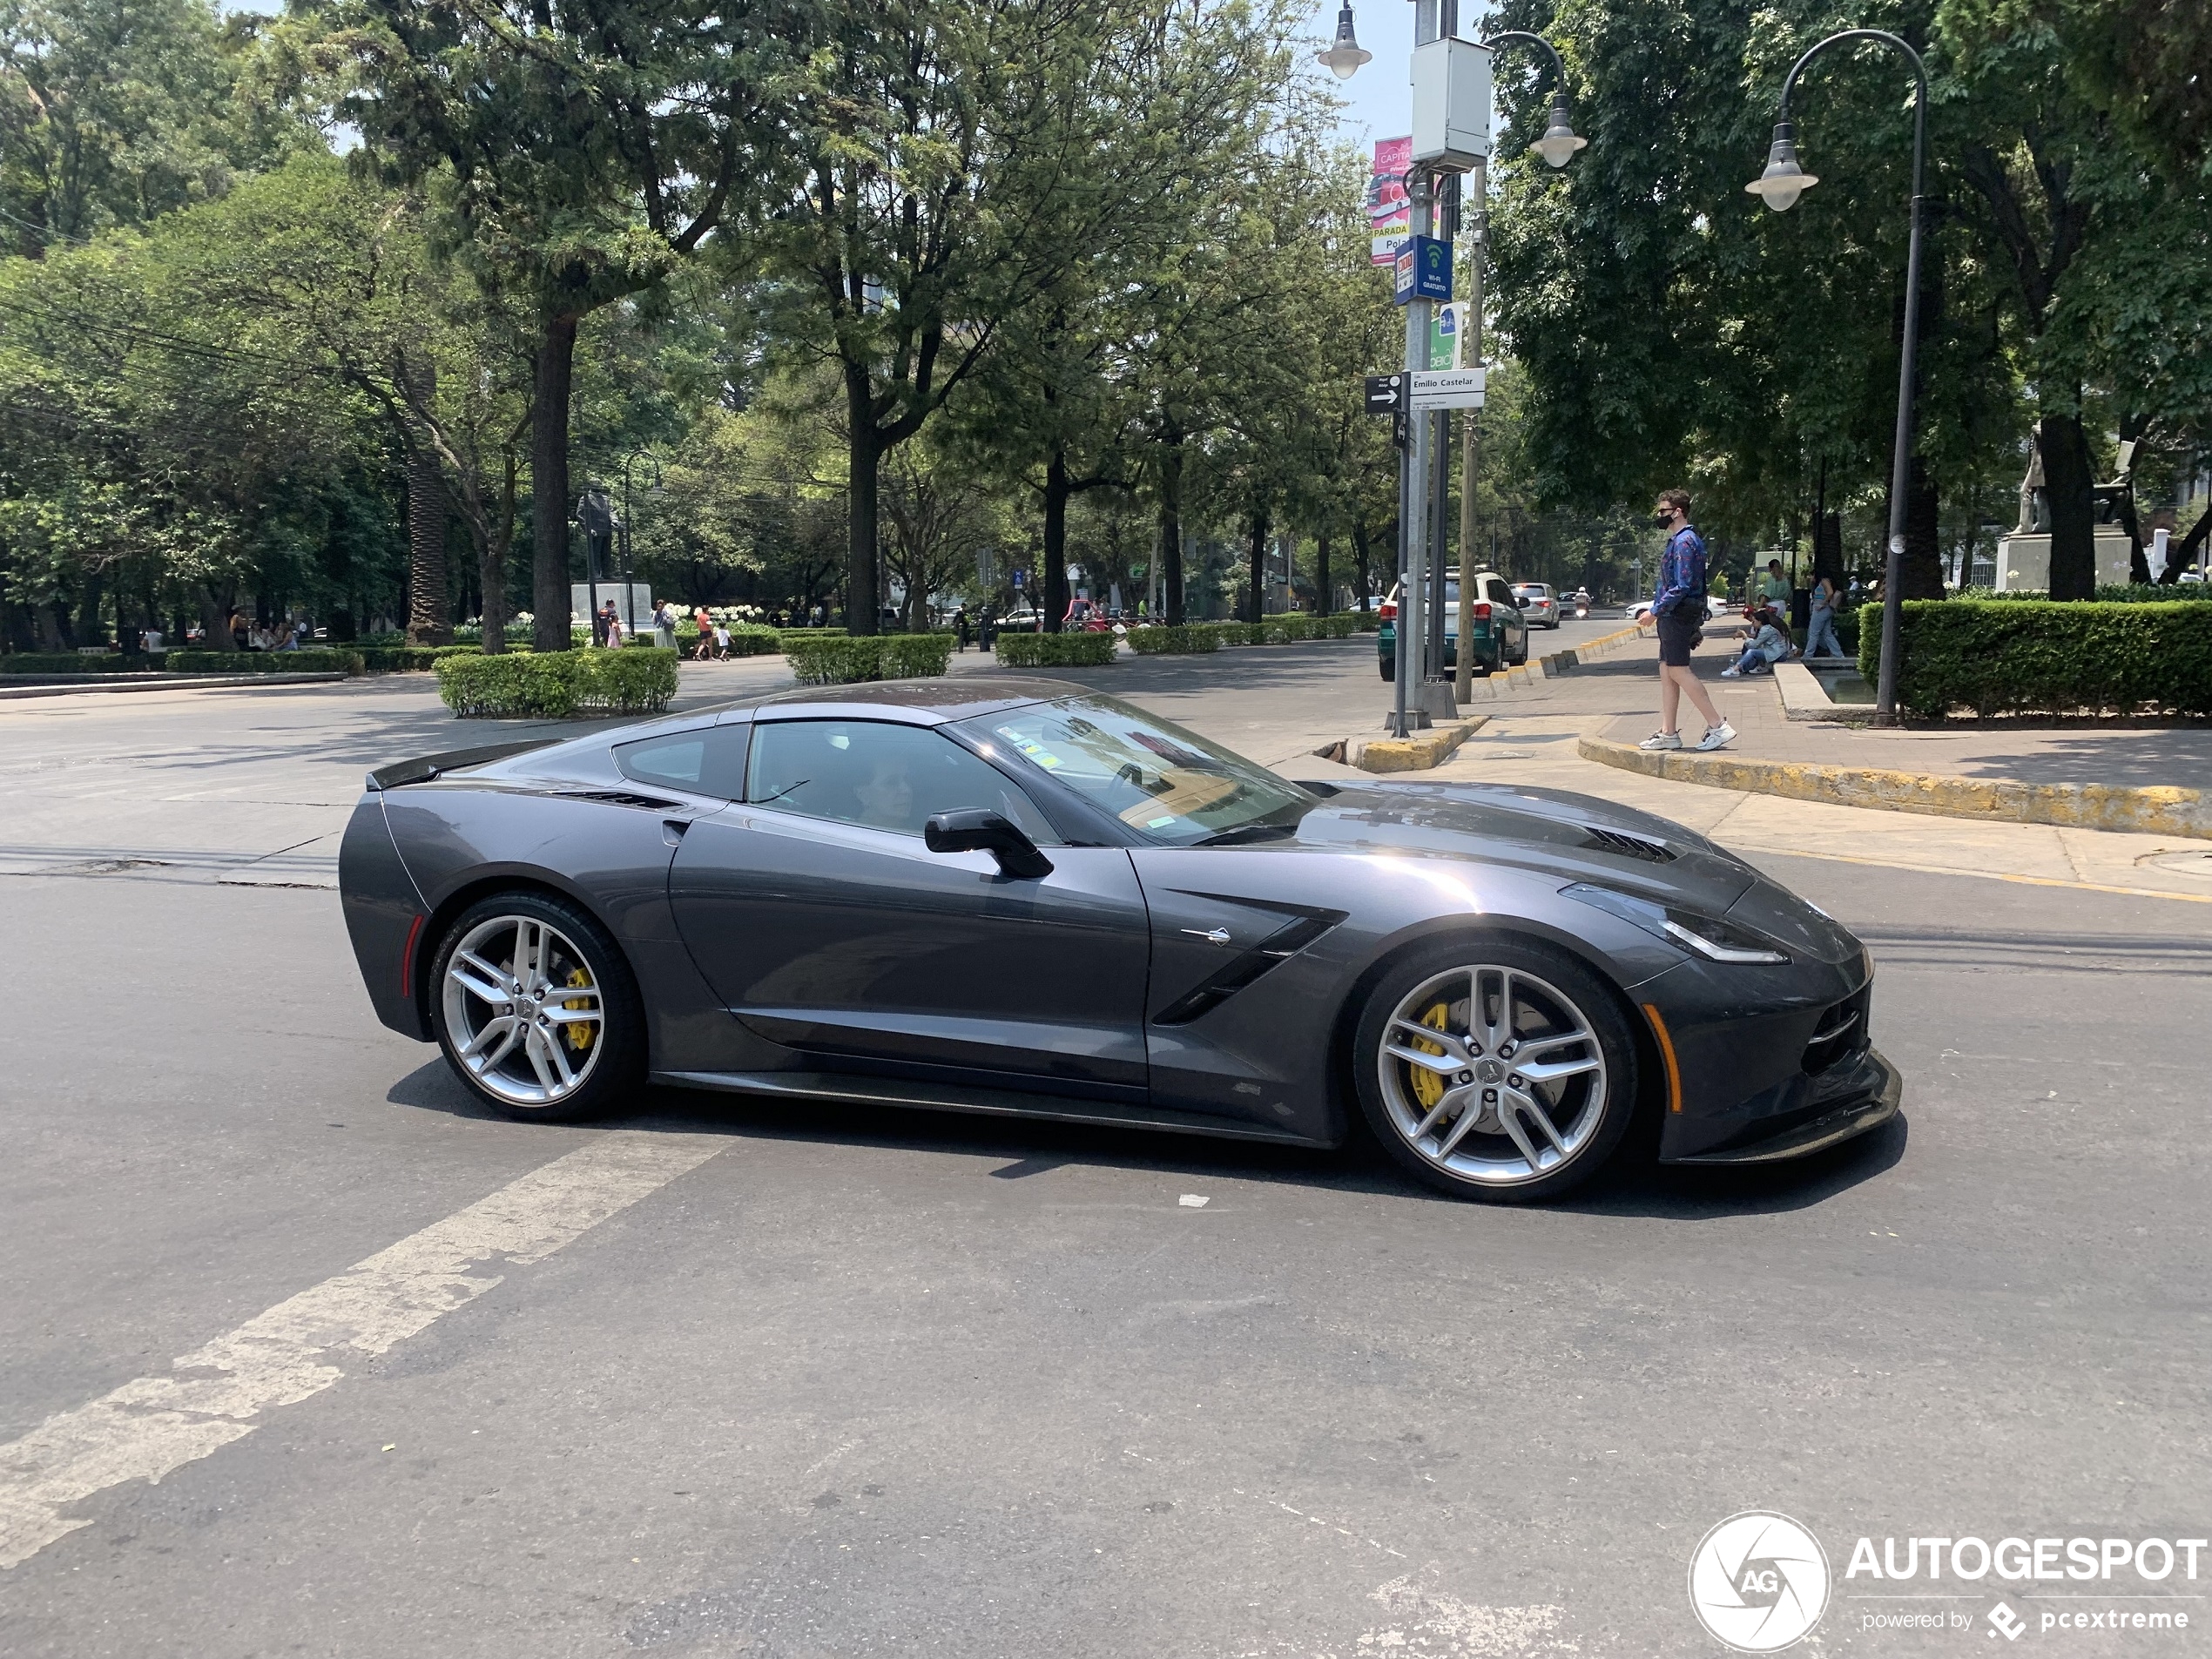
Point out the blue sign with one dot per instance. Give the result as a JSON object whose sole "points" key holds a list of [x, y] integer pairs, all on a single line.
{"points": [[1424, 269], [1017, 581]]}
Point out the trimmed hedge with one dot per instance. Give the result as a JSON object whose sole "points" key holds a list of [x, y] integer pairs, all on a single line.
{"points": [[1275, 631], [68, 662], [2020, 657], [1054, 651], [1185, 637], [819, 656], [2108, 593], [558, 686], [318, 660], [393, 659]]}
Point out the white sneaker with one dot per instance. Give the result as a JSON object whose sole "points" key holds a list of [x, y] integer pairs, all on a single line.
{"points": [[1664, 741], [1732, 673], [1717, 737]]}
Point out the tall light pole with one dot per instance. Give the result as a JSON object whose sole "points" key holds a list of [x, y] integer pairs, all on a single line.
{"points": [[1419, 495], [1779, 186]]}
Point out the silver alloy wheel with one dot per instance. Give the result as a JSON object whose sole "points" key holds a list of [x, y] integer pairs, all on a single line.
{"points": [[523, 1010], [1492, 1075]]}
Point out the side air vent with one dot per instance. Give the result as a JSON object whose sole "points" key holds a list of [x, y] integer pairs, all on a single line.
{"points": [[1629, 846], [1841, 1033], [621, 798]]}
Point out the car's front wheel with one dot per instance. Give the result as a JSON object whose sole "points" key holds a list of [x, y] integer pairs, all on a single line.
{"points": [[534, 1008], [1495, 1069]]}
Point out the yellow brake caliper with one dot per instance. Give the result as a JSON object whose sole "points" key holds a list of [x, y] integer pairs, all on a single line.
{"points": [[1428, 1086], [579, 1032]]}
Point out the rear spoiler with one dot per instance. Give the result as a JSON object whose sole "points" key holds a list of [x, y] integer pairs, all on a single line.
{"points": [[423, 768]]}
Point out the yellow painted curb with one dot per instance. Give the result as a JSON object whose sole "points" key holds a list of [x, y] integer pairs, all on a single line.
{"points": [[2146, 809], [1417, 754]]}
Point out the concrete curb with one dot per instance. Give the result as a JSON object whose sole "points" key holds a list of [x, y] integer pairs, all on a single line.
{"points": [[2148, 810], [1540, 669], [1420, 752], [1804, 697], [181, 683]]}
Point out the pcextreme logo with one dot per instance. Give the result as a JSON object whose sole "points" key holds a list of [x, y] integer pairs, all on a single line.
{"points": [[1758, 1582]]}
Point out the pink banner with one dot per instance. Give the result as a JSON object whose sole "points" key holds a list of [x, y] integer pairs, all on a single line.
{"points": [[1388, 212]]}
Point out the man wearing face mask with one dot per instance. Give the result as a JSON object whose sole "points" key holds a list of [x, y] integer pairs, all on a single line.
{"points": [[1678, 608]]}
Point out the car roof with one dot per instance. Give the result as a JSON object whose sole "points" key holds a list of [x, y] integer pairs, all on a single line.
{"points": [[928, 701]]}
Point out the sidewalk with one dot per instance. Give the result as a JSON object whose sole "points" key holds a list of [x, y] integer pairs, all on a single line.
{"points": [[1535, 735]]}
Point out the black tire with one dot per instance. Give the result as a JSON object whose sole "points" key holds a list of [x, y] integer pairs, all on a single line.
{"points": [[1485, 1171], [613, 1054], [1389, 668]]}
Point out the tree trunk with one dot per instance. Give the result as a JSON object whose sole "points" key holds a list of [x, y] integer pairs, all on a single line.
{"points": [[215, 617], [549, 485], [2069, 483], [1921, 570], [864, 464], [1055, 539], [1828, 548], [1172, 528], [1324, 600], [1258, 564], [429, 611], [1362, 561]]}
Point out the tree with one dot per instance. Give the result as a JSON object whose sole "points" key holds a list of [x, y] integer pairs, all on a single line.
{"points": [[575, 153]]}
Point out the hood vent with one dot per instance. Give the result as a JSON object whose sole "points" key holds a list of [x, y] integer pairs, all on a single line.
{"points": [[1629, 846]]}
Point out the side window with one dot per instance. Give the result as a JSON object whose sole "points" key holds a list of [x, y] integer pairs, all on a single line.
{"points": [[880, 775], [1501, 593], [707, 761]]}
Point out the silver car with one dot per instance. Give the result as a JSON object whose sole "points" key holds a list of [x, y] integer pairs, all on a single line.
{"points": [[1539, 603]]}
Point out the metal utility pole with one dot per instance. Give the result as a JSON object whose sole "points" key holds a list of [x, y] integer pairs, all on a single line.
{"points": [[1476, 218]]}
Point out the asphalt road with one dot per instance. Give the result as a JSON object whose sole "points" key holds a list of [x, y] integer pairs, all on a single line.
{"points": [[844, 1382]]}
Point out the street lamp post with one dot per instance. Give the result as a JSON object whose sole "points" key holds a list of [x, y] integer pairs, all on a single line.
{"points": [[1779, 186], [1435, 20]]}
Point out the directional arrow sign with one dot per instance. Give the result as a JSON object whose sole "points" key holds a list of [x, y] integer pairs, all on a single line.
{"points": [[1386, 394], [1445, 389]]}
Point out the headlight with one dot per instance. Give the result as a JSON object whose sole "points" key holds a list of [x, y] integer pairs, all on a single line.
{"points": [[1711, 938]]}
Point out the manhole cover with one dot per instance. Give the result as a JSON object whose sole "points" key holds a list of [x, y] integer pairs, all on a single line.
{"points": [[2191, 863]]}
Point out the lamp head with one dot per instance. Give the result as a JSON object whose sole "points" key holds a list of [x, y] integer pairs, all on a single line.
{"points": [[1785, 179], [1344, 54], [1560, 141]]}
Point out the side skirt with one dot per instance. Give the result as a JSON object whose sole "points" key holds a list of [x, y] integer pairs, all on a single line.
{"points": [[990, 1103]]}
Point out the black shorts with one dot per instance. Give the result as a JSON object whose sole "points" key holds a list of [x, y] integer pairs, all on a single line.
{"points": [[1677, 638]]}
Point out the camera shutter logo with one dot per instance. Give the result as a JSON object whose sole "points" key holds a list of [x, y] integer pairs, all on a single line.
{"points": [[1758, 1582]]}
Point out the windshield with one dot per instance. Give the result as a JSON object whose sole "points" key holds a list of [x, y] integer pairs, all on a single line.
{"points": [[1168, 784]]}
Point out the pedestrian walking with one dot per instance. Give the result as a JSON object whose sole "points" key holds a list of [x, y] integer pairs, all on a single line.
{"points": [[960, 626], [1827, 600], [721, 642], [1678, 608]]}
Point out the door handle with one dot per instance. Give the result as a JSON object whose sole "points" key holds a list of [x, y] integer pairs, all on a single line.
{"points": [[671, 830]]}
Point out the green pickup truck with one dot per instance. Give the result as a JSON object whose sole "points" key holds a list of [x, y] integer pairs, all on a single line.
{"points": [[1500, 631]]}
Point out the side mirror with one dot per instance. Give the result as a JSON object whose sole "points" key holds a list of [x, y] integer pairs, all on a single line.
{"points": [[977, 829]]}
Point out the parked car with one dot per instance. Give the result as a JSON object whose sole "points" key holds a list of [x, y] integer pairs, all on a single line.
{"points": [[1500, 632], [1539, 603], [1715, 606], [1020, 897]]}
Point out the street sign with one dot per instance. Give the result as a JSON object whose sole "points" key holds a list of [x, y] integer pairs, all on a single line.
{"points": [[1446, 389], [1446, 335], [1424, 270], [1386, 394]]}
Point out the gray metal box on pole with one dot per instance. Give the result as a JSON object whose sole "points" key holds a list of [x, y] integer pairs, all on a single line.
{"points": [[1450, 104]]}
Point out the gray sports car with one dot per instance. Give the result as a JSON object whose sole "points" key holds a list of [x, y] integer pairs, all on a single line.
{"points": [[1021, 897]]}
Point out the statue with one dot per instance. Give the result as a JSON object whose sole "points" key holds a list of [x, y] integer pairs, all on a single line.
{"points": [[2035, 503]]}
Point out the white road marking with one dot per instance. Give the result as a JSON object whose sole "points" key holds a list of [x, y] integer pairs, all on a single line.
{"points": [[151, 1426]]}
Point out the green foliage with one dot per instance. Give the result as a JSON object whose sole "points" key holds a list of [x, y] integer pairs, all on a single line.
{"points": [[1024, 650], [819, 658], [1164, 641], [315, 661], [558, 686], [2109, 593], [62, 662], [2049, 657], [393, 659]]}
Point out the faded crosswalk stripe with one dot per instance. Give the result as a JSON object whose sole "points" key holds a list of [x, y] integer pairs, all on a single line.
{"points": [[152, 1425]]}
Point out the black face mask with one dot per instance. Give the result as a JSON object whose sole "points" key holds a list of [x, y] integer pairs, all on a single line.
{"points": [[1662, 519]]}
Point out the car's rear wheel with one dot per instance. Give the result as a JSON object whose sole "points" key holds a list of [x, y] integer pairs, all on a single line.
{"points": [[1389, 667], [536, 1009], [1497, 1069]]}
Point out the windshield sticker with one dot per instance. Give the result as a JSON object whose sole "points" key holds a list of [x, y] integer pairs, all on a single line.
{"points": [[1030, 747]]}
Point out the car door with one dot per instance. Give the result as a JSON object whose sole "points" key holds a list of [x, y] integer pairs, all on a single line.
{"points": [[824, 923], [1513, 627]]}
